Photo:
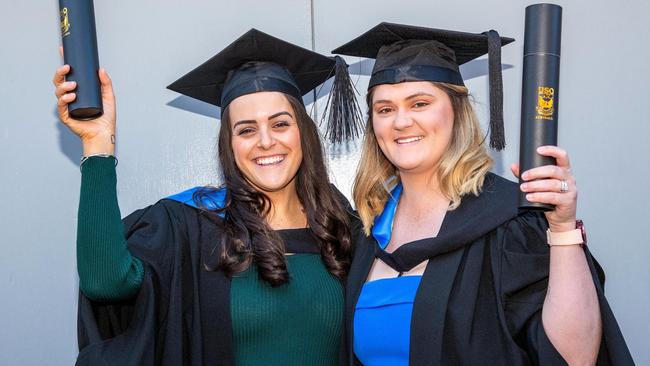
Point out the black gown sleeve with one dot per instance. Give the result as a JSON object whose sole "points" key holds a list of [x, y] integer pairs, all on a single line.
{"points": [[356, 227], [127, 330], [523, 281]]}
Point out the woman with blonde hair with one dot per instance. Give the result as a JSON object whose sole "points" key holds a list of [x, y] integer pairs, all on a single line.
{"points": [[447, 271]]}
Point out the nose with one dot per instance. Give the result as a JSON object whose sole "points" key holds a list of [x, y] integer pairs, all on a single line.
{"points": [[267, 140], [402, 120]]}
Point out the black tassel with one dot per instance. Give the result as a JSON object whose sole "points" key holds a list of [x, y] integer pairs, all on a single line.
{"points": [[344, 117], [497, 133]]}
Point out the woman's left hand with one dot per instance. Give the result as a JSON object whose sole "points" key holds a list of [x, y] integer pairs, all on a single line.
{"points": [[545, 185]]}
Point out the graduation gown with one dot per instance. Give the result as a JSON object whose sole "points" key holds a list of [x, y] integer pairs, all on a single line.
{"points": [[480, 298], [182, 312]]}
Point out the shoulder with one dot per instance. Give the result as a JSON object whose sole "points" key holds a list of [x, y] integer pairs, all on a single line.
{"points": [[526, 233], [497, 185], [179, 210], [170, 228], [522, 230], [205, 197], [497, 196]]}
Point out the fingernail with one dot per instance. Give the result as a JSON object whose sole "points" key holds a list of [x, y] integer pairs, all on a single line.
{"points": [[529, 196], [540, 149], [524, 186]]}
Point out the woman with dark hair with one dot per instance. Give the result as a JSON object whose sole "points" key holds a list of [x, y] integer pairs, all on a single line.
{"points": [[447, 271], [248, 273]]}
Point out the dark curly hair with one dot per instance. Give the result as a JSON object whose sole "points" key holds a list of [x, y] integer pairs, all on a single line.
{"points": [[248, 238]]}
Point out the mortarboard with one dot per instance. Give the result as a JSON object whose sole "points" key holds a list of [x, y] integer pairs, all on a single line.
{"points": [[257, 62], [410, 53]]}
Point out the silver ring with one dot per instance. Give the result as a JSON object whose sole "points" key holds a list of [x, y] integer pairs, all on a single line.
{"points": [[564, 186]]}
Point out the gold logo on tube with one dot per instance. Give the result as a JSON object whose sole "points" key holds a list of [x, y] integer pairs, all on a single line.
{"points": [[545, 97], [65, 23]]}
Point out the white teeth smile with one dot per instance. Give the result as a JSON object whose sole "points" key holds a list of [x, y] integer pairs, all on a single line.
{"points": [[408, 139], [269, 160]]}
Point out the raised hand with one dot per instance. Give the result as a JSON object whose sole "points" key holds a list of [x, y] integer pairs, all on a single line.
{"points": [[553, 184], [97, 135]]}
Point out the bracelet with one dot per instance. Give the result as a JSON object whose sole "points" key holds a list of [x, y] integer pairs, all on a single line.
{"points": [[573, 237], [100, 155]]}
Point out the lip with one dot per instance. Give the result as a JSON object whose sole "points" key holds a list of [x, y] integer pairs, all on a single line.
{"points": [[408, 140], [269, 160]]}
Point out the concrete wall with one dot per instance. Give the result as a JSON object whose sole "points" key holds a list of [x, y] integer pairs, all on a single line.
{"points": [[166, 142]]}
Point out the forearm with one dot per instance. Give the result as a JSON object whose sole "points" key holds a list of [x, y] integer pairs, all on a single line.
{"points": [[107, 270], [571, 313]]}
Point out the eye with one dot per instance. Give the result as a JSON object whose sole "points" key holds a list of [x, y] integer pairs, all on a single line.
{"points": [[245, 131], [420, 104], [281, 124], [384, 110]]}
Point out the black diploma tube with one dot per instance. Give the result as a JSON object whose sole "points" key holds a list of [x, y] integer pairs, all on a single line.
{"points": [[80, 52], [540, 90]]}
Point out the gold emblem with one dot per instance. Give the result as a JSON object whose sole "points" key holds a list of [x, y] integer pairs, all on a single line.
{"points": [[65, 23], [545, 97]]}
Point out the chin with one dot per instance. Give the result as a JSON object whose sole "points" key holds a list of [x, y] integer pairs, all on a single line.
{"points": [[267, 184], [407, 165]]}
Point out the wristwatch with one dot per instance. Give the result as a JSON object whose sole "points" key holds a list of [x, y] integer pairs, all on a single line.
{"points": [[573, 237]]}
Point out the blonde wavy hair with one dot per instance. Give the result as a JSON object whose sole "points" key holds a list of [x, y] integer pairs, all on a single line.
{"points": [[461, 171]]}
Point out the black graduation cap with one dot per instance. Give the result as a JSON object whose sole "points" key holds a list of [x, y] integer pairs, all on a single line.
{"points": [[258, 62], [411, 53]]}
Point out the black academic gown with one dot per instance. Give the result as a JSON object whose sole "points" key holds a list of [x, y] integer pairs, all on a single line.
{"points": [[481, 295], [181, 314]]}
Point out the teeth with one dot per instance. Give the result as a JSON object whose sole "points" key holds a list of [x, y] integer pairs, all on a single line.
{"points": [[269, 160], [408, 139]]}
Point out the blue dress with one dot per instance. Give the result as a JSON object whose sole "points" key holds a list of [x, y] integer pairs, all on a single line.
{"points": [[382, 320]]}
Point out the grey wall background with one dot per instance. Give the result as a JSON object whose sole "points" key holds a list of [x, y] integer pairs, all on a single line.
{"points": [[166, 142]]}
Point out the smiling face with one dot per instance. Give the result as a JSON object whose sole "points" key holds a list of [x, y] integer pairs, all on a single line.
{"points": [[265, 140], [413, 124]]}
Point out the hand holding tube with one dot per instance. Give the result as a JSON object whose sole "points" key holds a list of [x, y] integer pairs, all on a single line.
{"points": [[97, 135], [545, 185]]}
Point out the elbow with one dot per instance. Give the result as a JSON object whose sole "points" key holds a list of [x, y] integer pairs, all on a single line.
{"points": [[579, 345], [92, 291], [584, 359], [589, 351], [95, 291], [111, 285], [107, 291]]}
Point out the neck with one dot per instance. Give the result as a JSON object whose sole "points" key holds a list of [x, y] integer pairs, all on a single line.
{"points": [[421, 190], [286, 209]]}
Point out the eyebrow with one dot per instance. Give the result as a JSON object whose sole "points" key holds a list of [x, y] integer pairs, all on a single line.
{"points": [[283, 113], [244, 122], [413, 96], [252, 121], [420, 94]]}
